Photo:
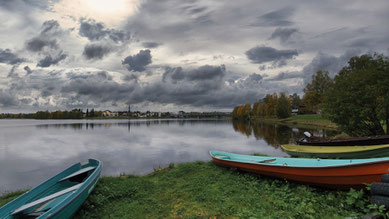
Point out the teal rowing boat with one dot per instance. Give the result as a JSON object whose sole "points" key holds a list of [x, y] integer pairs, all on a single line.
{"points": [[58, 197], [333, 173]]}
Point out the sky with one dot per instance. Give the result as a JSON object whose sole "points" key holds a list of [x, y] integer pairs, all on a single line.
{"points": [[171, 55]]}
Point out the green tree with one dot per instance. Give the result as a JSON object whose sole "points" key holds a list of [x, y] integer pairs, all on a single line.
{"points": [[235, 112], [315, 91], [295, 101], [359, 99], [283, 107]]}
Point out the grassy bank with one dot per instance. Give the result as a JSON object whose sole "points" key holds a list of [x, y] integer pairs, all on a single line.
{"points": [[311, 120], [202, 189]]}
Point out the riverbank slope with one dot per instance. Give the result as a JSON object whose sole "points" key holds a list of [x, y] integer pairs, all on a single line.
{"points": [[202, 189], [312, 120]]}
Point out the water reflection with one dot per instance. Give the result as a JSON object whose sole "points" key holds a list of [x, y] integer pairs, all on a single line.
{"points": [[277, 134], [120, 123], [34, 150]]}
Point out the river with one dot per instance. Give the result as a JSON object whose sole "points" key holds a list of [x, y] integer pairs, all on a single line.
{"points": [[32, 151]]}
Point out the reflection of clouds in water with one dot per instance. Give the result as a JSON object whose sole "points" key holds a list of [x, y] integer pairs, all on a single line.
{"points": [[29, 153]]}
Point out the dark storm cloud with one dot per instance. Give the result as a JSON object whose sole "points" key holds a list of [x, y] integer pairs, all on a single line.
{"points": [[283, 33], [97, 86], [8, 57], [37, 44], [95, 51], [276, 18], [255, 77], [6, 99], [46, 44], [138, 62], [329, 63], [49, 60], [27, 69], [205, 72], [94, 31], [199, 87], [42, 4], [50, 30], [6, 3], [151, 45], [51, 27], [262, 54], [286, 75]]}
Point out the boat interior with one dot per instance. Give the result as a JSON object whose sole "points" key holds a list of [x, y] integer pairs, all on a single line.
{"points": [[293, 162], [61, 189]]}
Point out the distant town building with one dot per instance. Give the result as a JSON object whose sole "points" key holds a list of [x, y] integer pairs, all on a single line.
{"points": [[295, 111], [108, 113]]}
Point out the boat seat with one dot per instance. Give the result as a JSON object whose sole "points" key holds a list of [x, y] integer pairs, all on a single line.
{"points": [[219, 156], [45, 199], [266, 161], [84, 170], [35, 214]]}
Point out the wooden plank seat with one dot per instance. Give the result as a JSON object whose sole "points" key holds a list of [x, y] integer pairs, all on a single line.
{"points": [[84, 170], [266, 161], [45, 199]]}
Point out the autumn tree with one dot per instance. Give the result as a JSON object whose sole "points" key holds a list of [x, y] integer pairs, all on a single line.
{"points": [[235, 112], [246, 111], [270, 104], [258, 109]]}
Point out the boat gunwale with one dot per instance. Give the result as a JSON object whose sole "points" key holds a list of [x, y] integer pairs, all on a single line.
{"points": [[357, 141], [304, 167], [368, 149], [80, 190], [93, 177]]}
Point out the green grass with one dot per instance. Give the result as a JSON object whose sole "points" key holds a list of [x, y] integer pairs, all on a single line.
{"points": [[308, 120], [202, 189], [10, 196], [311, 119]]}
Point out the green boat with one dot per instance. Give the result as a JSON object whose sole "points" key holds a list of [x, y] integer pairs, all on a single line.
{"points": [[344, 152], [58, 197]]}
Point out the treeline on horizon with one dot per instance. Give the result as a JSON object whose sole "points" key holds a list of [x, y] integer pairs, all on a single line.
{"points": [[356, 99], [59, 114], [272, 105]]}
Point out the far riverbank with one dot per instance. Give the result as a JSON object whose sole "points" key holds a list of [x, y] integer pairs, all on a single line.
{"points": [[310, 120]]}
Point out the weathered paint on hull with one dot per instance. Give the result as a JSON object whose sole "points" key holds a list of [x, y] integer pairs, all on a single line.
{"points": [[344, 152], [351, 155], [333, 177], [63, 206], [69, 210], [374, 140]]}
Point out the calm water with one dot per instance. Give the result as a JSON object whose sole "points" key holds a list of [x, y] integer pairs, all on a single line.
{"points": [[31, 151]]}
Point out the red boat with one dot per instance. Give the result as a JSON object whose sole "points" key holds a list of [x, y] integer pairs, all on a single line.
{"points": [[341, 174]]}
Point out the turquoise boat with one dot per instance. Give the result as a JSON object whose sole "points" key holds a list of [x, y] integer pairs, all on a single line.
{"points": [[333, 173], [58, 197]]}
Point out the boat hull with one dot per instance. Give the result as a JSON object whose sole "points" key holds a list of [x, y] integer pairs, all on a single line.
{"points": [[344, 152], [57, 197], [376, 140], [67, 211], [340, 177]]}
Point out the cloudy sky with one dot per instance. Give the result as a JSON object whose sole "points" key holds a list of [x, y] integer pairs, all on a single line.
{"points": [[170, 55]]}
